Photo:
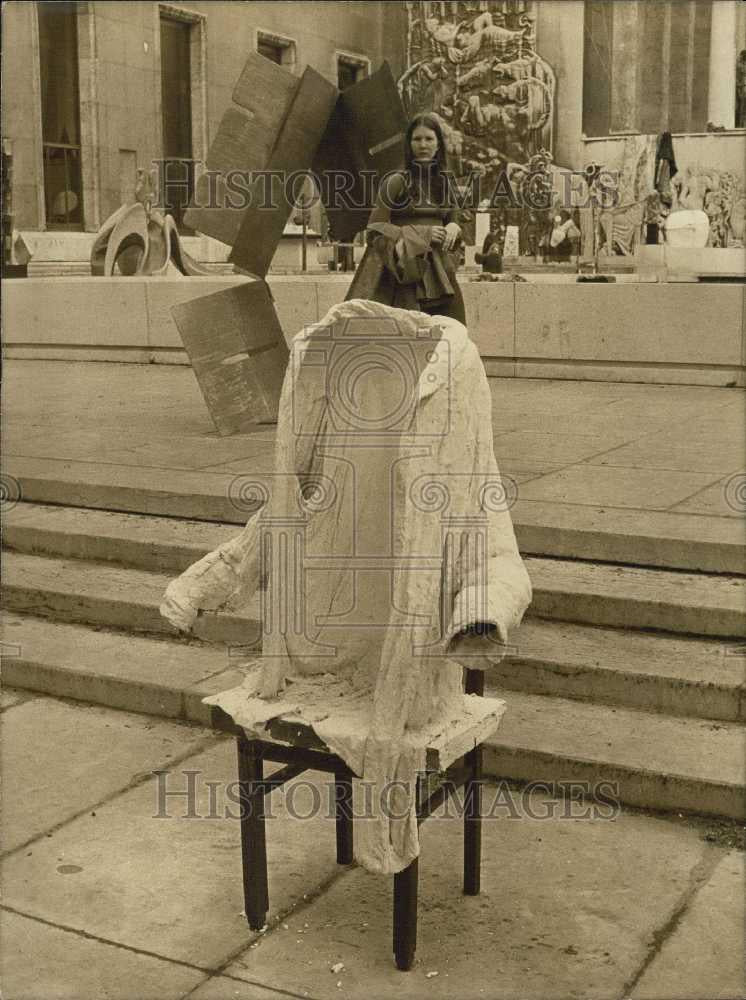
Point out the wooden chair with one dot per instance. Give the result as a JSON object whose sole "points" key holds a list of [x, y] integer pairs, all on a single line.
{"points": [[296, 745]]}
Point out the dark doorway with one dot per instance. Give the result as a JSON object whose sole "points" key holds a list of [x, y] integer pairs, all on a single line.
{"points": [[176, 102], [60, 115]]}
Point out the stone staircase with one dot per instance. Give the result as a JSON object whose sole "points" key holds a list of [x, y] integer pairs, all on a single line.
{"points": [[629, 674]]}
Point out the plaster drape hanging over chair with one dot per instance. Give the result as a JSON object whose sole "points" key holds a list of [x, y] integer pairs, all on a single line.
{"points": [[387, 490]]}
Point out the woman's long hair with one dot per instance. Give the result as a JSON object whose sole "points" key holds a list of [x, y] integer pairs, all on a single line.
{"points": [[430, 176]]}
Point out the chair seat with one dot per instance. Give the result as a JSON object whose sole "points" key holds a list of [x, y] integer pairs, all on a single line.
{"points": [[337, 720]]}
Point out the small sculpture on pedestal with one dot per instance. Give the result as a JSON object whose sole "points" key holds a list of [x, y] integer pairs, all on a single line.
{"points": [[138, 240]]}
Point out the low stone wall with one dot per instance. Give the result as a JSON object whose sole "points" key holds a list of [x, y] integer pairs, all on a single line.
{"points": [[688, 333]]}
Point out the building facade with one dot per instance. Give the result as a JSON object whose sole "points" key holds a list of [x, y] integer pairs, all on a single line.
{"points": [[94, 90]]}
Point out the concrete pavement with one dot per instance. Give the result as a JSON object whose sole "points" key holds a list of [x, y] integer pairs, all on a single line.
{"points": [[105, 898]]}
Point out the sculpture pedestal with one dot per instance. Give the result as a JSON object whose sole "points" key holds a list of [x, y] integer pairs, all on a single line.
{"points": [[667, 262]]}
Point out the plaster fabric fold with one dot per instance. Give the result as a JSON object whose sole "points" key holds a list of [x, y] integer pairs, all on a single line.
{"points": [[385, 535]]}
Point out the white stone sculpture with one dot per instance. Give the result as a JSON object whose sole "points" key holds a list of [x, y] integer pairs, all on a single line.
{"points": [[386, 532]]}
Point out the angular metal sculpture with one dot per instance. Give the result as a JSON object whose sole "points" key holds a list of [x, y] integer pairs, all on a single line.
{"points": [[277, 124], [244, 142], [264, 219], [365, 133], [238, 353]]}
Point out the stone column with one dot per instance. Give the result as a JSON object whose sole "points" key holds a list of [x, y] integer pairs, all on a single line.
{"points": [[721, 104], [624, 67]]}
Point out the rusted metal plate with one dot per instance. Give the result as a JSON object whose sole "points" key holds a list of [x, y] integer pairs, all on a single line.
{"points": [[376, 120], [344, 198], [238, 352], [244, 142], [262, 226], [266, 90], [365, 133], [240, 144]]}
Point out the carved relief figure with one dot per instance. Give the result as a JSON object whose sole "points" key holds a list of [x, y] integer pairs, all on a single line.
{"points": [[718, 193], [482, 76]]}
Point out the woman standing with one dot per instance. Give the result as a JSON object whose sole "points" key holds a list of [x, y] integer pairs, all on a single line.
{"points": [[413, 232]]}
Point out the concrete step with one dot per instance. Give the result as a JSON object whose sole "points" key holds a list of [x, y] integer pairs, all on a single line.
{"points": [[633, 598], [646, 759], [572, 590], [603, 664], [167, 677], [142, 541], [646, 538], [203, 496], [101, 594], [169, 545], [701, 678], [666, 539], [649, 760]]}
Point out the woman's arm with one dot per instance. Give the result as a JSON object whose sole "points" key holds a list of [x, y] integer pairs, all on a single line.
{"points": [[452, 222], [389, 194], [400, 248]]}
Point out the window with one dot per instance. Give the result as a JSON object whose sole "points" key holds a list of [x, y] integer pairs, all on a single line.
{"points": [[350, 70], [176, 110], [646, 66], [276, 48], [270, 51], [60, 115], [741, 90]]}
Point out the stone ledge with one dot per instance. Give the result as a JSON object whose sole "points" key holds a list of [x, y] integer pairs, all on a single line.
{"points": [[651, 333]]}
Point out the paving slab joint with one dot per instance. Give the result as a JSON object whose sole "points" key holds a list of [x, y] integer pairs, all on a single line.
{"points": [[135, 781], [275, 922], [698, 877]]}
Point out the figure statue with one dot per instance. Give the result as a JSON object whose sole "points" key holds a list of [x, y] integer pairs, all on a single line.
{"points": [[138, 240], [715, 192], [484, 35], [688, 190]]}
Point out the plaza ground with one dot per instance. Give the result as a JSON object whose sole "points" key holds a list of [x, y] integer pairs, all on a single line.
{"points": [[102, 899], [667, 450]]}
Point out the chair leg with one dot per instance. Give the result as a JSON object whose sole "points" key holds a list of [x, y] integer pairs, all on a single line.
{"points": [[473, 822], [343, 813], [253, 835], [405, 916]]}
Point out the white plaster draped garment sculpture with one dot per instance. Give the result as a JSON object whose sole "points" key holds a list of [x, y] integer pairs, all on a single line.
{"points": [[407, 539]]}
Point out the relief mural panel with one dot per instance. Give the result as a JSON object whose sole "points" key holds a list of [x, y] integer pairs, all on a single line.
{"points": [[476, 66]]}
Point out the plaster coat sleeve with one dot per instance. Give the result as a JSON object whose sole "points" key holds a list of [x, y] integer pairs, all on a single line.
{"points": [[491, 586], [230, 574]]}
